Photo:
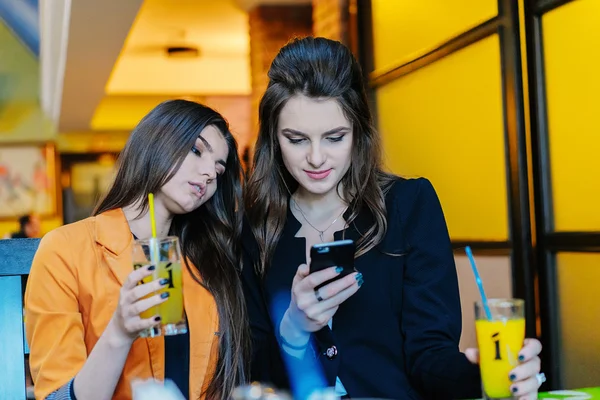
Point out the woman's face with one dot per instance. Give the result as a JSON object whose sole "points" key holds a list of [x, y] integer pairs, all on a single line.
{"points": [[315, 138], [196, 180]]}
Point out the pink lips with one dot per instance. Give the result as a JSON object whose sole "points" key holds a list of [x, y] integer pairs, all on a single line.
{"points": [[202, 189], [318, 175]]}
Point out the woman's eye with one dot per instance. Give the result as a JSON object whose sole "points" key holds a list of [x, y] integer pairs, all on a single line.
{"points": [[296, 141], [335, 138], [196, 151]]}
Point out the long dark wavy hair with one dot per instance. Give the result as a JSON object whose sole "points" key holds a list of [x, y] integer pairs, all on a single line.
{"points": [[210, 235], [317, 68]]}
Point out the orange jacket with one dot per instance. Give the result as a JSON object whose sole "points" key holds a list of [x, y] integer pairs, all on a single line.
{"points": [[72, 293]]}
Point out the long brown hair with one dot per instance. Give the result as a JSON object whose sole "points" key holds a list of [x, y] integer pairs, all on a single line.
{"points": [[318, 68], [210, 235]]}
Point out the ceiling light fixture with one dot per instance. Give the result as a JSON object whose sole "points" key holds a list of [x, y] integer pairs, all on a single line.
{"points": [[182, 51]]}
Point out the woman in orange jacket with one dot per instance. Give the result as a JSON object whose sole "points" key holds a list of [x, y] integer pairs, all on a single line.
{"points": [[83, 299]]}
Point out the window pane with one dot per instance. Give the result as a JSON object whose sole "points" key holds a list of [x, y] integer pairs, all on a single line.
{"points": [[402, 30], [572, 58], [579, 303], [445, 122], [495, 272]]}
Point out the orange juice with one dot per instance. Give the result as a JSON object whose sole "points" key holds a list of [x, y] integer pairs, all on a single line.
{"points": [[499, 344], [165, 254], [171, 311]]}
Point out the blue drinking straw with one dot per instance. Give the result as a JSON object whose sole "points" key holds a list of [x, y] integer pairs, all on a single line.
{"points": [[479, 283]]}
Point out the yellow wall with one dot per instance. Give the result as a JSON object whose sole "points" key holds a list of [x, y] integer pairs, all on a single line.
{"points": [[572, 56], [403, 30], [445, 122]]}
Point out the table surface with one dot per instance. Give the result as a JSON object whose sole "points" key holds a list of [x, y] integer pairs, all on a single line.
{"points": [[577, 394], [574, 394]]}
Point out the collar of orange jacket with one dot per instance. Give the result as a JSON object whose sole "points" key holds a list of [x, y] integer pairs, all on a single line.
{"points": [[112, 231]]}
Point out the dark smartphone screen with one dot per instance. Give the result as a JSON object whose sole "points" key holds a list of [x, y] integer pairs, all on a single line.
{"points": [[334, 254]]}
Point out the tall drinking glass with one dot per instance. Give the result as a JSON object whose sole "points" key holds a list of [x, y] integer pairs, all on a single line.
{"points": [[165, 254], [499, 339]]}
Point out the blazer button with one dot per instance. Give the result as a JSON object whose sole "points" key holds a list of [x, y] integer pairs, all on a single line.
{"points": [[331, 352]]}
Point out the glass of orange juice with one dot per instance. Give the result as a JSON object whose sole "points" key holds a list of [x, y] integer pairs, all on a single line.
{"points": [[500, 337], [165, 254]]}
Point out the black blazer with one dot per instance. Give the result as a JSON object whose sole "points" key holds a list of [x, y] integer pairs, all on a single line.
{"points": [[397, 337]]}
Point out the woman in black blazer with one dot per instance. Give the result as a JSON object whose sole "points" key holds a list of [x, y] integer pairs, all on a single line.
{"points": [[390, 330]]}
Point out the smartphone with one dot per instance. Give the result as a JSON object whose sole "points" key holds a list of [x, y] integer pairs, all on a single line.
{"points": [[334, 254]]}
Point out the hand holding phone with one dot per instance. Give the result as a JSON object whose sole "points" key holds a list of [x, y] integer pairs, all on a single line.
{"points": [[310, 308]]}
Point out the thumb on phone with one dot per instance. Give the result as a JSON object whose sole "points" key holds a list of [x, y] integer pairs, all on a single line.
{"points": [[301, 273]]}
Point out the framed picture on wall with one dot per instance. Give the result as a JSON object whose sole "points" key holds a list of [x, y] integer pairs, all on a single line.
{"points": [[28, 180]]}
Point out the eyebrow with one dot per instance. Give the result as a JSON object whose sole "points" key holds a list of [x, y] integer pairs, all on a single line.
{"points": [[339, 129], [210, 149]]}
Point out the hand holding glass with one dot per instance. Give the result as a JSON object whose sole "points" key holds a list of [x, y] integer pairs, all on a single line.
{"points": [[165, 254]]}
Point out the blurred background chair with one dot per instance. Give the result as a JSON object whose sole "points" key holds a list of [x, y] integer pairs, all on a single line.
{"points": [[15, 261]]}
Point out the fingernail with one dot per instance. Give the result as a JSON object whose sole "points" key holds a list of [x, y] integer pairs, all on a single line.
{"points": [[152, 268], [512, 377], [514, 389], [339, 269], [157, 319], [521, 358], [358, 276], [164, 295], [164, 281], [360, 282]]}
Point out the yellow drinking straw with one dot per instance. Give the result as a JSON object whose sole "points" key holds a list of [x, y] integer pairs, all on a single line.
{"points": [[153, 243], [152, 218]]}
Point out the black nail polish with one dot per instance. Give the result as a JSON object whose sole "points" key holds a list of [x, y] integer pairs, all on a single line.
{"points": [[512, 377], [164, 281], [164, 295], [515, 389], [152, 268], [521, 358], [157, 319]]}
